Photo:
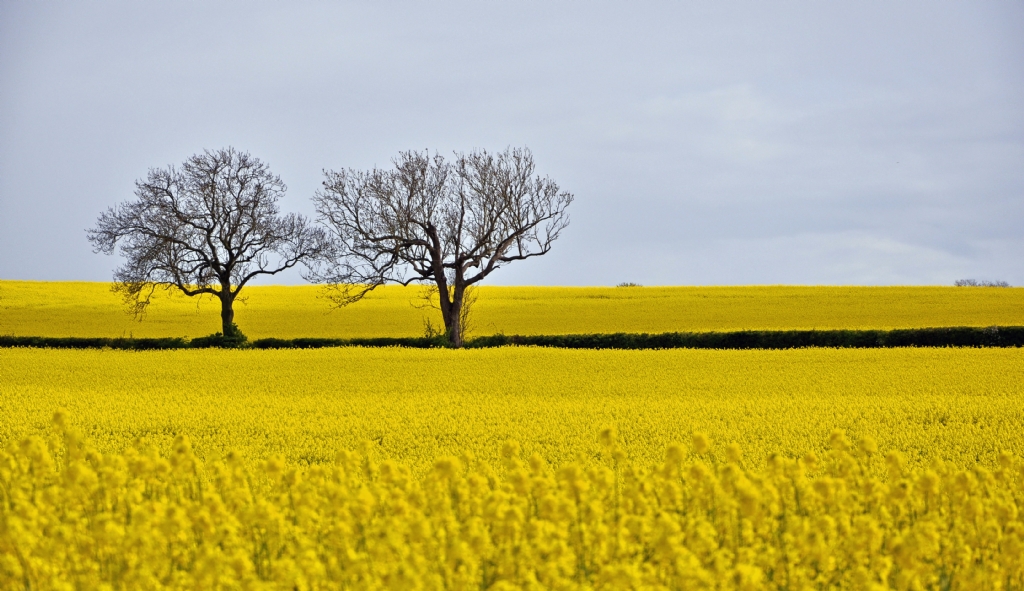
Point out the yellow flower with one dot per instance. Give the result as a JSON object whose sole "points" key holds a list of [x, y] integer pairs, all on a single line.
{"points": [[701, 445], [448, 467]]}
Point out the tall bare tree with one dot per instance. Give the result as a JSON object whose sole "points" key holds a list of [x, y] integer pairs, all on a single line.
{"points": [[208, 227], [429, 220]]}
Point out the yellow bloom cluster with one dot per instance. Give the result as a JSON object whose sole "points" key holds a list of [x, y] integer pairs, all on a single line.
{"points": [[83, 309], [74, 518]]}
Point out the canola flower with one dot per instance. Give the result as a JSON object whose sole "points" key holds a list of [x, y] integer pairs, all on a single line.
{"points": [[962, 406], [83, 309], [72, 517]]}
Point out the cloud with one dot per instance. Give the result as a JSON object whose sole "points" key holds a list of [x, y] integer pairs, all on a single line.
{"points": [[719, 143]]}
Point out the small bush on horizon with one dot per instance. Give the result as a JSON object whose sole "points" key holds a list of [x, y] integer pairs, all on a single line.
{"points": [[976, 283]]}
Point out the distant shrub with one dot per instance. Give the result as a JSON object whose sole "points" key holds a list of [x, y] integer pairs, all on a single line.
{"points": [[976, 283], [628, 284], [230, 341]]}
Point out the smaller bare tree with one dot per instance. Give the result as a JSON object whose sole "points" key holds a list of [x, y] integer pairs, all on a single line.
{"points": [[208, 227], [449, 224]]}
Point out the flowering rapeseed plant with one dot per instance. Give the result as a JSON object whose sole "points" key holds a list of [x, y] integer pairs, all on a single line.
{"points": [[72, 517]]}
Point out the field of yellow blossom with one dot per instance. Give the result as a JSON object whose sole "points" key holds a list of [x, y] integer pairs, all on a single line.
{"points": [[75, 518], [61, 309], [959, 405], [515, 468]]}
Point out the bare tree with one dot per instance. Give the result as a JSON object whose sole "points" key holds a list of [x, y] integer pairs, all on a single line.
{"points": [[208, 227], [429, 220]]}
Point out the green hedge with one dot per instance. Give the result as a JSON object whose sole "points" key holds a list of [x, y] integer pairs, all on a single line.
{"points": [[993, 336], [312, 343], [93, 343], [1009, 336]]}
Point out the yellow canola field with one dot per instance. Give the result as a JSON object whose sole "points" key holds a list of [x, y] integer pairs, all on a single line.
{"points": [[75, 518], [90, 310], [959, 405], [512, 468]]}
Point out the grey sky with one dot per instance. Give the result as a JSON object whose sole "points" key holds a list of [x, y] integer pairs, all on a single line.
{"points": [[706, 142]]}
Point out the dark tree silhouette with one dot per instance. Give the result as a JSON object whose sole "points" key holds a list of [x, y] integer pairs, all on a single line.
{"points": [[449, 224], [208, 227]]}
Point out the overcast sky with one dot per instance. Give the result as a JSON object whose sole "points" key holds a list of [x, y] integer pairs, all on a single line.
{"points": [[705, 142]]}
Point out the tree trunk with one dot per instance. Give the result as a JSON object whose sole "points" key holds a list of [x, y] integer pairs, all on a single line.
{"points": [[227, 314], [455, 331], [451, 310]]}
